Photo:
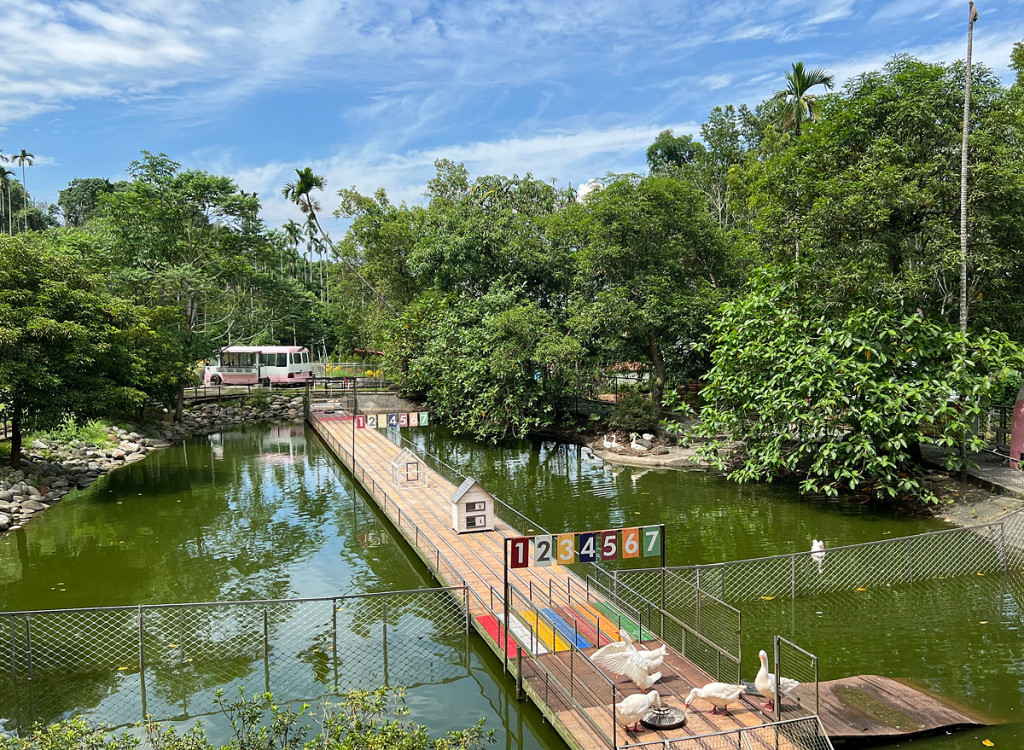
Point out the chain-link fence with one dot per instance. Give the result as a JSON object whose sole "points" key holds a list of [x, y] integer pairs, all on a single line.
{"points": [[794, 734], [983, 548], [117, 665]]}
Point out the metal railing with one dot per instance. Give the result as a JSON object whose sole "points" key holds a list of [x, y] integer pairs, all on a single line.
{"points": [[116, 665], [802, 734], [797, 664], [983, 548]]}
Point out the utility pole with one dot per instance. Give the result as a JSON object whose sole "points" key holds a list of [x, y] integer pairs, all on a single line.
{"points": [[972, 17], [963, 175]]}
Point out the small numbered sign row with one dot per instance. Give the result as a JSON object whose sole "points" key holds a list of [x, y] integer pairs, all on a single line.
{"points": [[411, 419], [585, 546]]}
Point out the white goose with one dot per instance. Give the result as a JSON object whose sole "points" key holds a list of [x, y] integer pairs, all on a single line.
{"points": [[647, 436], [636, 445], [634, 707], [765, 682], [718, 694], [608, 444], [624, 658], [818, 552], [653, 658]]}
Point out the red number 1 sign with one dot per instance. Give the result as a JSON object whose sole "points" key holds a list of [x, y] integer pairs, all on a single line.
{"points": [[519, 554]]}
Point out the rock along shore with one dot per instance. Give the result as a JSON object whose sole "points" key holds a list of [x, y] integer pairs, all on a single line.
{"points": [[49, 471]]}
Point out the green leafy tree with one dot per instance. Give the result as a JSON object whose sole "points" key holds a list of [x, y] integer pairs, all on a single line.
{"points": [[797, 104], [843, 399], [867, 194], [79, 201], [67, 346], [651, 268], [492, 366]]}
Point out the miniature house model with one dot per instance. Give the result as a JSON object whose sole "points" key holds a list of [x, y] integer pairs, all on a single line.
{"points": [[472, 508], [408, 470]]}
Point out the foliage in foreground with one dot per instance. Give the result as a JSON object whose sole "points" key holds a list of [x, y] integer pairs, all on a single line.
{"points": [[363, 720], [844, 398]]}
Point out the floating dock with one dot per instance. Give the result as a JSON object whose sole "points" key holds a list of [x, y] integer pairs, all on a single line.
{"points": [[870, 710]]}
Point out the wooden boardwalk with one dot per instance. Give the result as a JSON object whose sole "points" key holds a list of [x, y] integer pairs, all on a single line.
{"points": [[551, 607], [563, 684]]}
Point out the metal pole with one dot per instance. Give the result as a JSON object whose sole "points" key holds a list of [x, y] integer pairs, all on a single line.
{"points": [[31, 682], [334, 642], [664, 574], [519, 670], [384, 618], [504, 593], [778, 678], [142, 662], [266, 650]]}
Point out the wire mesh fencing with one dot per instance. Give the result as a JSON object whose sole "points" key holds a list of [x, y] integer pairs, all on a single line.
{"points": [[984, 548], [706, 614], [794, 734], [118, 665]]}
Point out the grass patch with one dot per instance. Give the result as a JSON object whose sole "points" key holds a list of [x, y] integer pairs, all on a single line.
{"points": [[94, 432]]}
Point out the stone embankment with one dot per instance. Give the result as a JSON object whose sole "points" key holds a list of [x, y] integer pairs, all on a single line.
{"points": [[49, 470]]}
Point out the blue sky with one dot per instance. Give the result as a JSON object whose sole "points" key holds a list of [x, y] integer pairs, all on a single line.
{"points": [[371, 92]]}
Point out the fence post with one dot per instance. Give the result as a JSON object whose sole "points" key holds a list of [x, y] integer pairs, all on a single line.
{"points": [[31, 682], [384, 623], [792, 577], [519, 669], [1002, 546], [778, 678], [142, 661], [266, 650], [334, 639]]}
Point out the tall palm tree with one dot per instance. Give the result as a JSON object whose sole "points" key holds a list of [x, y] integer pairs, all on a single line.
{"points": [[5, 181], [294, 234], [797, 104], [300, 192], [22, 158]]}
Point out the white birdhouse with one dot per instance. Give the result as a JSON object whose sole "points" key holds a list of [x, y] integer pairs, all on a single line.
{"points": [[408, 470], [472, 508]]}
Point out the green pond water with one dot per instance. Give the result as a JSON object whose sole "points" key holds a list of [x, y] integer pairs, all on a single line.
{"points": [[266, 513]]}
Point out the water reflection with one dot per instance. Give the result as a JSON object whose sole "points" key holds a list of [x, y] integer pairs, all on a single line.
{"points": [[251, 514]]}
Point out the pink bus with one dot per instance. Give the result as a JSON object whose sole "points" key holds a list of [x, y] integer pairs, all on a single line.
{"points": [[244, 365]]}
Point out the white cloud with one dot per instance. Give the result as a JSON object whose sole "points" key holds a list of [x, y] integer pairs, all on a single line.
{"points": [[566, 157]]}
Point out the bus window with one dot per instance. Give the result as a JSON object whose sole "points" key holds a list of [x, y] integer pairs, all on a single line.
{"points": [[305, 358], [282, 360]]}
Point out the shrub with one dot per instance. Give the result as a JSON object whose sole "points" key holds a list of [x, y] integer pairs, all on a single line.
{"points": [[635, 412], [94, 432], [258, 401], [363, 720]]}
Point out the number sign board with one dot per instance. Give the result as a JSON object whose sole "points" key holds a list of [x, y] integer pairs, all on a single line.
{"points": [[586, 546]]}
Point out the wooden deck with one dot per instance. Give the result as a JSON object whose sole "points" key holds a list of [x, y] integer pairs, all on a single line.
{"points": [[575, 695], [870, 709]]}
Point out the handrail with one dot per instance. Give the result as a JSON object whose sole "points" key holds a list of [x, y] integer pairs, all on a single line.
{"points": [[232, 603]]}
